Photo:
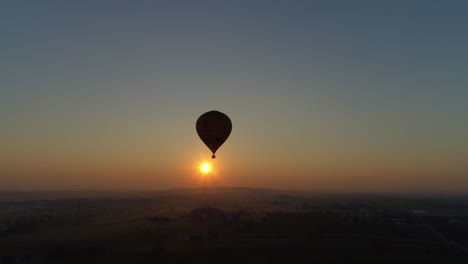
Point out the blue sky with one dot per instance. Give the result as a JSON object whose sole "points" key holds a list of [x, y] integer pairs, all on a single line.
{"points": [[321, 91]]}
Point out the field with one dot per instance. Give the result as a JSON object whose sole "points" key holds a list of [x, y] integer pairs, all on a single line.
{"points": [[231, 225]]}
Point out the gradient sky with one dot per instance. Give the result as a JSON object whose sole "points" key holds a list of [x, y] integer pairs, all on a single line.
{"points": [[323, 95]]}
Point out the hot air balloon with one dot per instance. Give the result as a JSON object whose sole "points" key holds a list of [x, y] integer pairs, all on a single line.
{"points": [[213, 128]]}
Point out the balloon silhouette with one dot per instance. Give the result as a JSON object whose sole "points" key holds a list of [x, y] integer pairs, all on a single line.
{"points": [[213, 128]]}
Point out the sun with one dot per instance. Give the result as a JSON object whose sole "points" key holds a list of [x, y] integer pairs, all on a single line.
{"points": [[205, 168]]}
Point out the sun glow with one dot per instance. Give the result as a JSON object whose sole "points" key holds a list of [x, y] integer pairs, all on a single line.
{"points": [[205, 168], [207, 173]]}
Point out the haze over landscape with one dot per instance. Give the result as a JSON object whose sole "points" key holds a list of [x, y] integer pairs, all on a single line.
{"points": [[104, 95]]}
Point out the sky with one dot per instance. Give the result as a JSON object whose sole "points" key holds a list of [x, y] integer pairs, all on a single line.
{"points": [[323, 95]]}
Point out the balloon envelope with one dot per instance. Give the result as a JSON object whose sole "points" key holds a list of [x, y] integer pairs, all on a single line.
{"points": [[213, 128]]}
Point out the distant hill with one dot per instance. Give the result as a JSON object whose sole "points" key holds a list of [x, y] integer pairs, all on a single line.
{"points": [[227, 192]]}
